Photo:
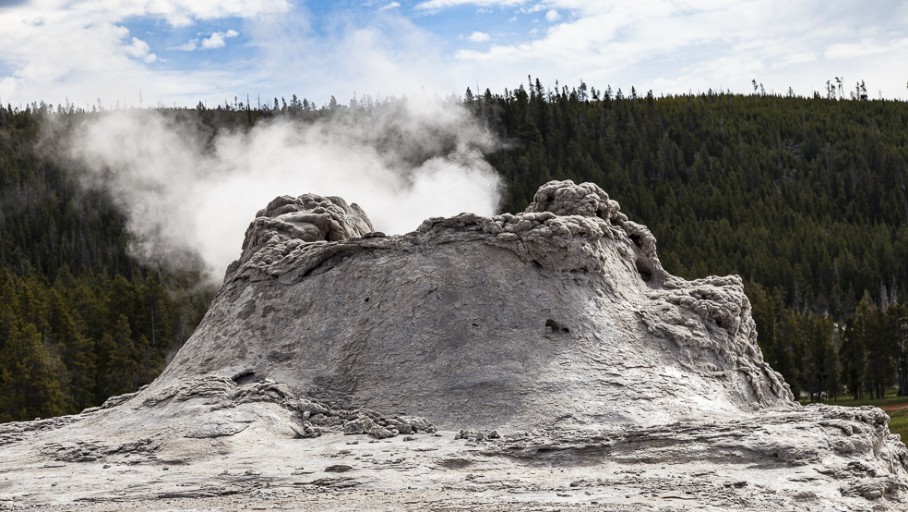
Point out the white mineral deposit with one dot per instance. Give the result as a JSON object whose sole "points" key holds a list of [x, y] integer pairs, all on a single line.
{"points": [[536, 361]]}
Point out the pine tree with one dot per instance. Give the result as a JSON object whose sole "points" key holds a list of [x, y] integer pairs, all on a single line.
{"points": [[859, 329], [28, 384]]}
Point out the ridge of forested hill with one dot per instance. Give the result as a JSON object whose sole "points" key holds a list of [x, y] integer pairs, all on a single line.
{"points": [[804, 197]]}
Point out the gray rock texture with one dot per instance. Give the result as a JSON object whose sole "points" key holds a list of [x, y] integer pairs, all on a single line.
{"points": [[559, 315], [539, 360]]}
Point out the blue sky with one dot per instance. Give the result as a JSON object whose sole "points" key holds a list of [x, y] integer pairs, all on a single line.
{"points": [[180, 52]]}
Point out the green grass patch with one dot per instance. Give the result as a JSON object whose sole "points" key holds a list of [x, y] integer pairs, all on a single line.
{"points": [[899, 423]]}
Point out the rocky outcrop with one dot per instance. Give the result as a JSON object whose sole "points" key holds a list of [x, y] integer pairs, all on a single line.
{"points": [[561, 314], [544, 355], [288, 222]]}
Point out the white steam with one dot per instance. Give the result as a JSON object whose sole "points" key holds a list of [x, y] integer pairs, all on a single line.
{"points": [[187, 189]]}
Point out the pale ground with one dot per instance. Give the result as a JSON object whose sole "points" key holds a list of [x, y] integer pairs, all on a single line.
{"points": [[353, 472], [776, 461]]}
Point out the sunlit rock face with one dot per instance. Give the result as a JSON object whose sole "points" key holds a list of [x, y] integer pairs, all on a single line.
{"points": [[527, 361], [558, 315]]}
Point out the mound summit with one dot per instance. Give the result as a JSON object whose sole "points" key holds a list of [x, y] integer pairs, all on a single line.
{"points": [[500, 346]]}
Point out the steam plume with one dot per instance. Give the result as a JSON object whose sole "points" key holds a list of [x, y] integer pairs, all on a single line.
{"points": [[185, 188]]}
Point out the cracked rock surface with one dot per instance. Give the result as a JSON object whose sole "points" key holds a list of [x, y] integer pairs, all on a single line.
{"points": [[539, 360]]}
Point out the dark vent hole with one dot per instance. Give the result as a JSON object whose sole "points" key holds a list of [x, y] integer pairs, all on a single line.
{"points": [[244, 377], [645, 273], [553, 326]]}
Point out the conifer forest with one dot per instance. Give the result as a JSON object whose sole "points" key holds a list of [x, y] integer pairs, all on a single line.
{"points": [[804, 197]]}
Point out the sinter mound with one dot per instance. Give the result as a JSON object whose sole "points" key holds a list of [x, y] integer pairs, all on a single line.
{"points": [[561, 314], [563, 366]]}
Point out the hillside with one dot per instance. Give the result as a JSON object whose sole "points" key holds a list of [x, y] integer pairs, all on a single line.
{"points": [[80, 319], [803, 197]]}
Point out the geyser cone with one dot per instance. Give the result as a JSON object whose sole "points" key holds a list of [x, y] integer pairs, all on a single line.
{"points": [[583, 377], [562, 313]]}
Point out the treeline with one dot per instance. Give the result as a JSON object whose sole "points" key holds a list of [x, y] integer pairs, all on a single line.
{"points": [[863, 354], [80, 319], [70, 343], [803, 197], [47, 219]]}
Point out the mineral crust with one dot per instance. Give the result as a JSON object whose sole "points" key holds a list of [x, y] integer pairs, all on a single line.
{"points": [[537, 360]]}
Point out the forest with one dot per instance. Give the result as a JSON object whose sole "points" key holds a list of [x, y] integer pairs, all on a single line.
{"points": [[805, 198]]}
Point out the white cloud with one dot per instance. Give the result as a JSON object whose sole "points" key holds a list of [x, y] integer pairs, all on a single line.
{"points": [[179, 13], [800, 58], [683, 45], [218, 39], [479, 37], [864, 48], [388, 56], [433, 5], [81, 50], [140, 50]]}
